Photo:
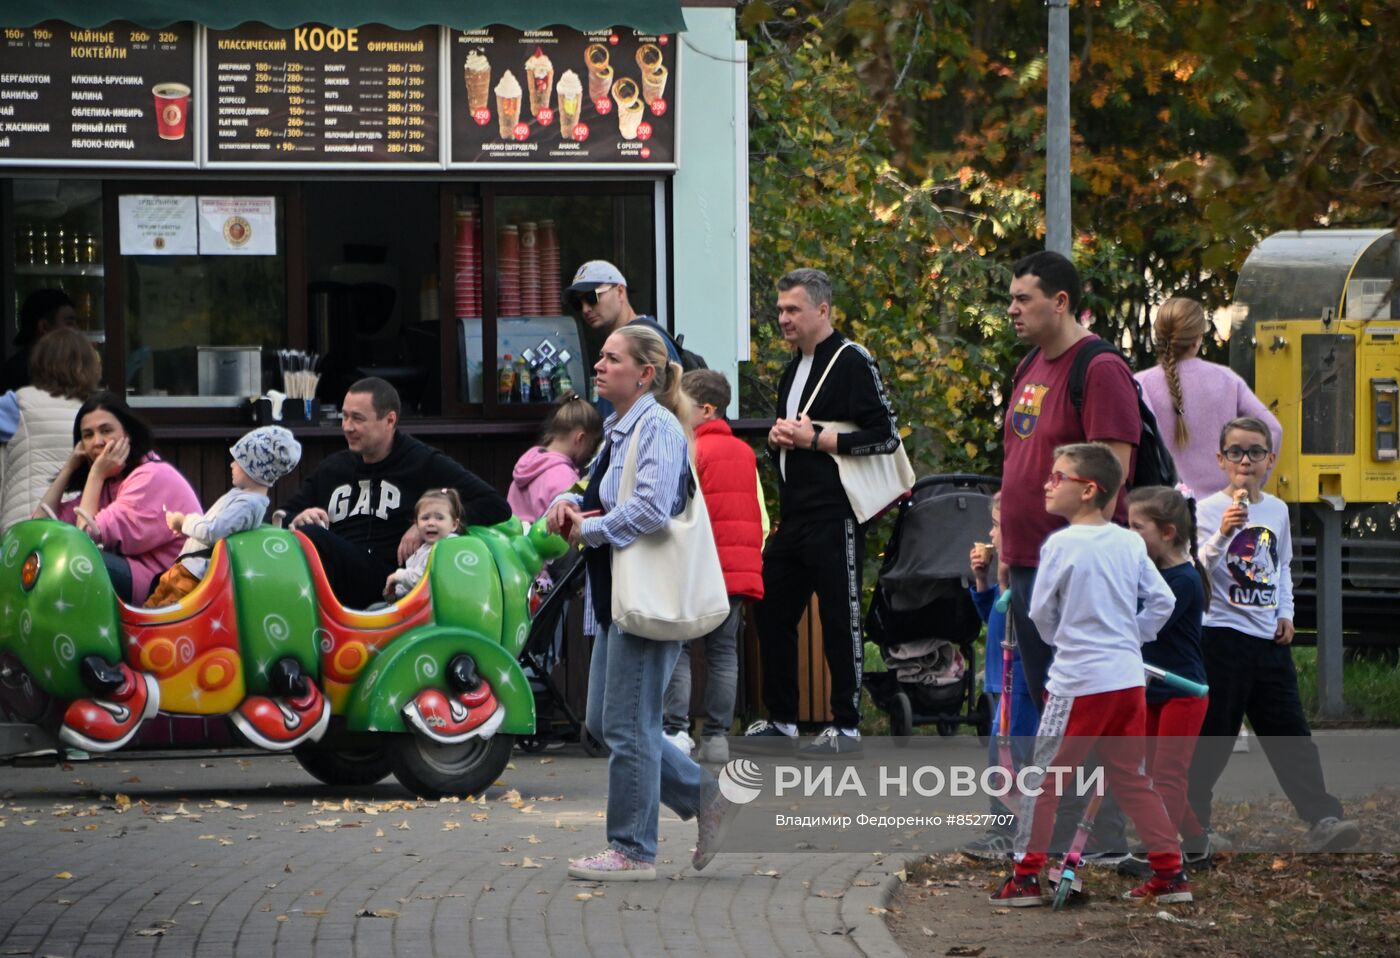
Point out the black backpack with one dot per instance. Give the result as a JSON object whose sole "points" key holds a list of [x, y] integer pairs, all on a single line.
{"points": [[1154, 466], [689, 359]]}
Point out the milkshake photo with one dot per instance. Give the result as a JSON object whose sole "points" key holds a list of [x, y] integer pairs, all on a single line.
{"points": [[508, 104], [539, 74], [570, 103], [478, 77]]}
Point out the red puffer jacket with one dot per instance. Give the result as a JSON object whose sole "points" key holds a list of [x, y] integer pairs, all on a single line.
{"points": [[729, 480]]}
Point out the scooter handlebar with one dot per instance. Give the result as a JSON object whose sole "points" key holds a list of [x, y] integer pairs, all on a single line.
{"points": [[1177, 682]]}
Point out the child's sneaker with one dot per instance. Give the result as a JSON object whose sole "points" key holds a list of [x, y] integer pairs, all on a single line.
{"points": [[1135, 866], [1019, 892], [611, 865], [1166, 891], [993, 846]]}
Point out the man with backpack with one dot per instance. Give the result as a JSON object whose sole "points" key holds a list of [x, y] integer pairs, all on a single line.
{"points": [[599, 293]]}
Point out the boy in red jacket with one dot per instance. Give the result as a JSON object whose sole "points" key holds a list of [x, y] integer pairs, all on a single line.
{"points": [[729, 480]]}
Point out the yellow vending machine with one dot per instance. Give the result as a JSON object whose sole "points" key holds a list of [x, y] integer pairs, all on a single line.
{"points": [[1315, 329]]}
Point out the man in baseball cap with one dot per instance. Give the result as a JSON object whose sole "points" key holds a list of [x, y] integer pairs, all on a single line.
{"points": [[599, 292]]}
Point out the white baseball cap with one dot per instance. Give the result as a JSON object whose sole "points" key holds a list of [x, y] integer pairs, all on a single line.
{"points": [[595, 273]]}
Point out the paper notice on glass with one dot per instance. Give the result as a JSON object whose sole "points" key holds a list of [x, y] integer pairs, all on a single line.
{"points": [[238, 225], [158, 225]]}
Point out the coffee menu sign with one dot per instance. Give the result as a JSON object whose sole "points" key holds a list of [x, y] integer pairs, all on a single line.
{"points": [[558, 97], [322, 96], [120, 94], [326, 97]]}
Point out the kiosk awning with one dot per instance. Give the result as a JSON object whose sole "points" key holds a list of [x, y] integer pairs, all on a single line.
{"points": [[648, 16]]}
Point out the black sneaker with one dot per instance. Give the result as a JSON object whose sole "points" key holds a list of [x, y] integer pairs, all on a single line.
{"points": [[1135, 866], [993, 846], [830, 743], [764, 738], [1019, 892]]}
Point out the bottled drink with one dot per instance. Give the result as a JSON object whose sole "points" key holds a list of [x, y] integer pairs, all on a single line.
{"points": [[543, 387], [505, 380], [523, 378], [562, 382]]}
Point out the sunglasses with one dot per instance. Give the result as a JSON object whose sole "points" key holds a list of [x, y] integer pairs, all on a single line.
{"points": [[589, 296], [1237, 453], [1057, 477]]}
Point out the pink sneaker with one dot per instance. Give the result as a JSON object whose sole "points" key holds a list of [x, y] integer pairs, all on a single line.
{"points": [[611, 865]]}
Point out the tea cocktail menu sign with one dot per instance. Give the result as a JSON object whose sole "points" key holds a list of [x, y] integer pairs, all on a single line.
{"points": [[119, 94]]}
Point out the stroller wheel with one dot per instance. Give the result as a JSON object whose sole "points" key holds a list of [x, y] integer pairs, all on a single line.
{"points": [[984, 718], [591, 746], [901, 719]]}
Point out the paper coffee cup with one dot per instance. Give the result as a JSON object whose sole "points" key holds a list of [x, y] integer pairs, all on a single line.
{"points": [[172, 109]]}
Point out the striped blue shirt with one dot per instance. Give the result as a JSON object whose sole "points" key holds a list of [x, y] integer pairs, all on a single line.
{"points": [[663, 468]]}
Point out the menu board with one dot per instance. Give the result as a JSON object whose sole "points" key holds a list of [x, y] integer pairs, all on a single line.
{"points": [[557, 97], [322, 95], [118, 93]]}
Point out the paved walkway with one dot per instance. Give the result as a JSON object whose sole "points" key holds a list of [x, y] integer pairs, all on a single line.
{"points": [[245, 854]]}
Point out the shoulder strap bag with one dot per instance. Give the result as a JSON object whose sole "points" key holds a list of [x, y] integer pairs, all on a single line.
{"points": [[872, 483], [668, 585]]}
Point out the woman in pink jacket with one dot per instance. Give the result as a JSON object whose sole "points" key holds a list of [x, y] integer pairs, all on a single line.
{"points": [[568, 439], [123, 491], [1193, 398]]}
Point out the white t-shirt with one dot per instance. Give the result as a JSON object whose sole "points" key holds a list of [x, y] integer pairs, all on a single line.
{"points": [[1251, 580], [794, 400], [1085, 605]]}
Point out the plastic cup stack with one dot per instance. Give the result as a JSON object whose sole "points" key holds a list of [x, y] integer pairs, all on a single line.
{"points": [[508, 265], [550, 280], [529, 269], [466, 264]]}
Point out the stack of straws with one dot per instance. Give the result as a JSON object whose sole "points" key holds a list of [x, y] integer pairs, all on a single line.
{"points": [[300, 373]]}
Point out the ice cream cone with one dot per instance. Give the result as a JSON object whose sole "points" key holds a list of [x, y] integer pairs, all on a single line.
{"points": [[600, 71], [629, 117], [653, 85], [648, 57], [478, 76], [508, 104]]}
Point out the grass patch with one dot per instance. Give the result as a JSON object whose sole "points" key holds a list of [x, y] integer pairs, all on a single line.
{"points": [[1370, 688]]}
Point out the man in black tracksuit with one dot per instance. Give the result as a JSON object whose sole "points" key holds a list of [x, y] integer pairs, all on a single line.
{"points": [[357, 508], [818, 545]]}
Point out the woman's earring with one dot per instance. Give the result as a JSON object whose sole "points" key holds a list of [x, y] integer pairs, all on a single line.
{"points": [[639, 384]]}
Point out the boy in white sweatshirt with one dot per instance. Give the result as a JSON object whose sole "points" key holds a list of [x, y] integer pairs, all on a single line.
{"points": [[1093, 574], [1245, 546]]}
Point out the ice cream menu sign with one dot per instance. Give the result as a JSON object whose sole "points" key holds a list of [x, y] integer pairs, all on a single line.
{"points": [[322, 95], [557, 97], [118, 93]]}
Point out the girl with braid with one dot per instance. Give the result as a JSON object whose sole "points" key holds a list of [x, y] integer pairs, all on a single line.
{"points": [[1193, 398]]}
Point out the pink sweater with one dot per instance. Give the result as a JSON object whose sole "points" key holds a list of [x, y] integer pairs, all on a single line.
{"points": [[131, 519], [1211, 395], [538, 477]]}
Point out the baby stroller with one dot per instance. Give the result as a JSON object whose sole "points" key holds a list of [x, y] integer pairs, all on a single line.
{"points": [[555, 719], [921, 615]]}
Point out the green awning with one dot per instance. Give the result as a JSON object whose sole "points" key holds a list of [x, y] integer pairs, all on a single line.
{"points": [[649, 16]]}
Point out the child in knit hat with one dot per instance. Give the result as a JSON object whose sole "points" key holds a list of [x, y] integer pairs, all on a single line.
{"points": [[260, 458]]}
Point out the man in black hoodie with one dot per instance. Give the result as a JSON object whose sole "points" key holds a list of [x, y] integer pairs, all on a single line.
{"points": [[357, 508], [818, 544]]}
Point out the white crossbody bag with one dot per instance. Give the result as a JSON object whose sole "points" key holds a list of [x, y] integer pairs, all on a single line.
{"points": [[668, 584], [872, 483]]}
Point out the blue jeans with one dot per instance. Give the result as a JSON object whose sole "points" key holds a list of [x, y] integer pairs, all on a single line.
{"points": [[1024, 721], [626, 685], [721, 681]]}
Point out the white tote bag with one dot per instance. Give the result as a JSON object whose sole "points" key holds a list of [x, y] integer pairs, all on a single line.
{"points": [[871, 483], [668, 584]]}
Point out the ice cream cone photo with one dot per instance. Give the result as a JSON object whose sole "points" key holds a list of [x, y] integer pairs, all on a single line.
{"points": [[539, 74], [653, 84], [629, 117], [570, 102], [648, 57], [508, 104], [477, 72], [600, 71]]}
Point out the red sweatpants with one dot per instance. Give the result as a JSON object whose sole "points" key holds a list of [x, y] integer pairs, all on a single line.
{"points": [[1172, 729], [1112, 724]]}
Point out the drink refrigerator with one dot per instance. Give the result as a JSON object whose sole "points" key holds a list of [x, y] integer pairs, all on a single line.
{"points": [[58, 245]]}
